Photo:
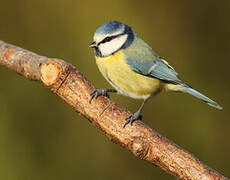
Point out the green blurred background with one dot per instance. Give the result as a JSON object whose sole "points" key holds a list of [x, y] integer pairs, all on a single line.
{"points": [[41, 137]]}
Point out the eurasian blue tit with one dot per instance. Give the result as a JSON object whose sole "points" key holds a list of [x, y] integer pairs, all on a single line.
{"points": [[133, 68]]}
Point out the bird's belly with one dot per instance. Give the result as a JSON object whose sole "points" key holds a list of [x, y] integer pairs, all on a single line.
{"points": [[126, 81]]}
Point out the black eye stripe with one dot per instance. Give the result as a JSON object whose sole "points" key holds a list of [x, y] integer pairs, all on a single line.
{"points": [[109, 38]]}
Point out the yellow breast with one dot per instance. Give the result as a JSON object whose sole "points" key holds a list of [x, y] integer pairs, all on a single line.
{"points": [[124, 79]]}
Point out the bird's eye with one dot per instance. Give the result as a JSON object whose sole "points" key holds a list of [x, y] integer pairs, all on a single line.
{"points": [[107, 39]]}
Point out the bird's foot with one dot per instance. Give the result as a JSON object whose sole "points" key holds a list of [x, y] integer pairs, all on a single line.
{"points": [[98, 92], [133, 117]]}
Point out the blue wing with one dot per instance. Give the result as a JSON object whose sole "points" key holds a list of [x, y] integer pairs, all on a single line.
{"points": [[159, 69]]}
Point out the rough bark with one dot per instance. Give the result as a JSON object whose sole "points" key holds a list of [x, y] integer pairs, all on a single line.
{"points": [[68, 83]]}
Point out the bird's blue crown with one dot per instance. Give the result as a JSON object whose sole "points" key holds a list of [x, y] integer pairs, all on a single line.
{"points": [[110, 27]]}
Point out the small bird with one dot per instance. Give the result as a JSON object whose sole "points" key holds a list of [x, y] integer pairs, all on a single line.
{"points": [[133, 68]]}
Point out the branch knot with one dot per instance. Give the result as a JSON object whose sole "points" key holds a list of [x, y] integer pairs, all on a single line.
{"points": [[140, 148]]}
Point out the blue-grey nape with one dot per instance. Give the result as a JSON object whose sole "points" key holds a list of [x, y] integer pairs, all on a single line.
{"points": [[110, 27]]}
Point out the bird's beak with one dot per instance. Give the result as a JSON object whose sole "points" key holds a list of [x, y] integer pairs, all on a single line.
{"points": [[93, 44]]}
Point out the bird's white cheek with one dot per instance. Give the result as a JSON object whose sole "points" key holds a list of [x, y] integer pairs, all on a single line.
{"points": [[113, 45]]}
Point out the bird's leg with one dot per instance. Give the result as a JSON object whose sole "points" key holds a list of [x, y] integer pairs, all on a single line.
{"points": [[136, 116], [100, 92]]}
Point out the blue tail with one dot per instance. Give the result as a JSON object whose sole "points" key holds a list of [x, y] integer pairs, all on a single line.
{"points": [[197, 94]]}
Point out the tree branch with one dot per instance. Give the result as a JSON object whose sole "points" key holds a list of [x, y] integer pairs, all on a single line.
{"points": [[68, 83]]}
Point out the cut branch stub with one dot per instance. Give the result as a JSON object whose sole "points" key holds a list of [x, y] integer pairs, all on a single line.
{"points": [[53, 73], [50, 71]]}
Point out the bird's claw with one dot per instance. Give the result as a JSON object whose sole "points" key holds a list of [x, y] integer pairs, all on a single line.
{"points": [[133, 117], [98, 92]]}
